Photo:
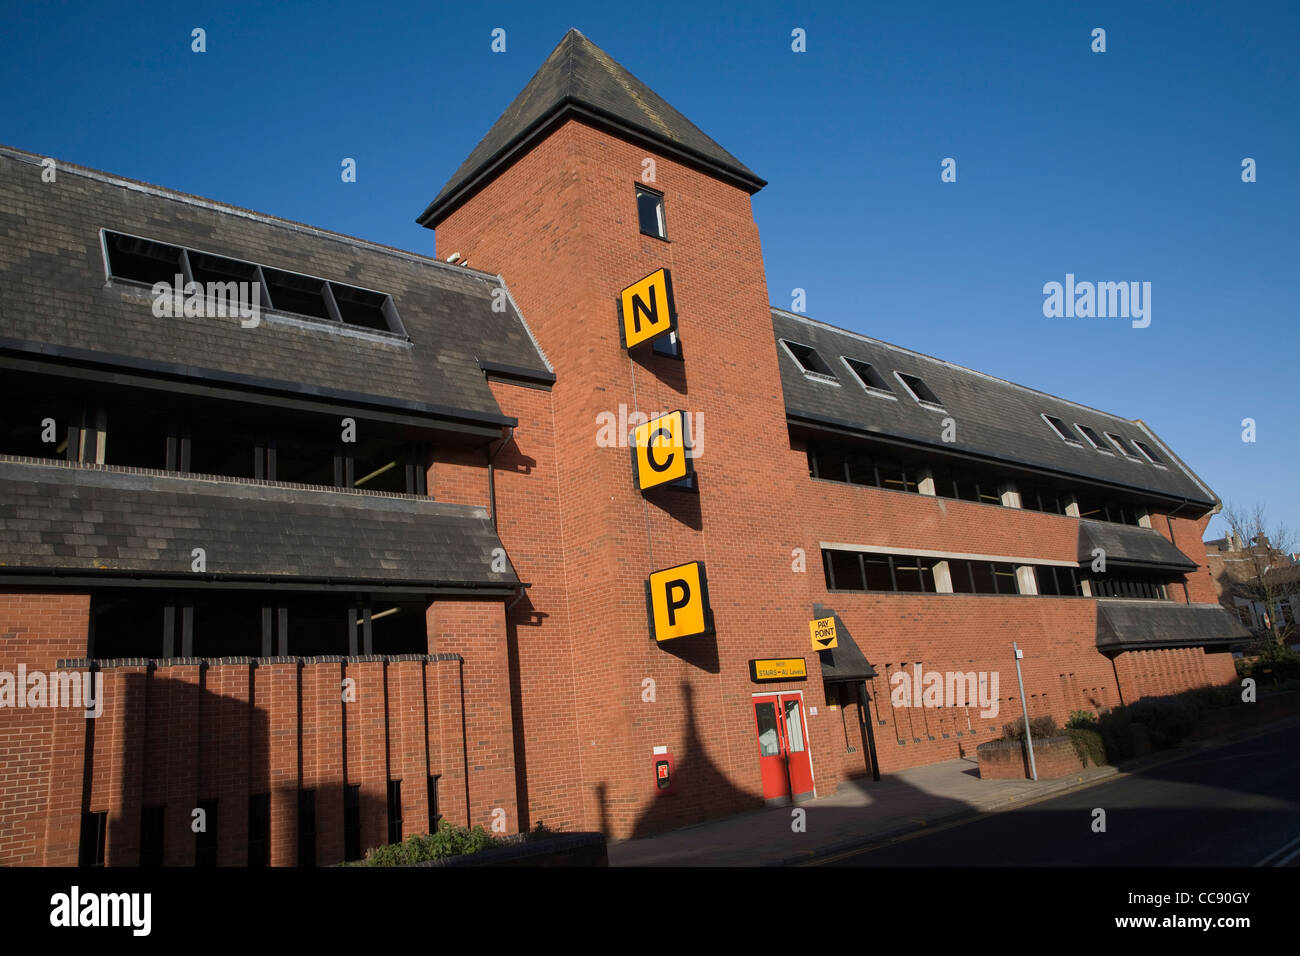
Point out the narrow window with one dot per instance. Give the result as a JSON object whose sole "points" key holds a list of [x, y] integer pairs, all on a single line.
{"points": [[205, 841], [352, 821], [94, 827], [433, 803], [151, 836], [866, 373], [394, 811], [306, 827], [809, 359], [650, 213], [919, 390], [259, 829], [668, 345]]}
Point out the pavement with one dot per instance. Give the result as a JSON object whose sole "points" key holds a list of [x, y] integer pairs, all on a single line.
{"points": [[863, 813]]}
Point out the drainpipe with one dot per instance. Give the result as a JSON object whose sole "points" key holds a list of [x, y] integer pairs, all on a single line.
{"points": [[492, 484]]}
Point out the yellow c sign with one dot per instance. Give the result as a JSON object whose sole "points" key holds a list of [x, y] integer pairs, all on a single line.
{"points": [[679, 602], [823, 633], [646, 308], [659, 451]]}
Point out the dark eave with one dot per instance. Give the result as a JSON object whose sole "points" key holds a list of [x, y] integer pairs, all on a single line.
{"points": [[1124, 625]]}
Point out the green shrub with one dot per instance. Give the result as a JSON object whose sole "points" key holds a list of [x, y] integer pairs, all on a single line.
{"points": [[1088, 745], [448, 841], [1275, 665], [1084, 719], [1038, 726]]}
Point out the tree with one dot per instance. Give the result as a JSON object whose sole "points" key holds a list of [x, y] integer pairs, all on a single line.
{"points": [[1265, 573]]}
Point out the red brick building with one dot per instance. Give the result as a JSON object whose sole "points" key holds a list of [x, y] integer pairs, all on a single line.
{"points": [[294, 639]]}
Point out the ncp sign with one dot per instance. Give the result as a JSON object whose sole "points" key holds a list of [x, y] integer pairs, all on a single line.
{"points": [[646, 309], [678, 602], [661, 451]]}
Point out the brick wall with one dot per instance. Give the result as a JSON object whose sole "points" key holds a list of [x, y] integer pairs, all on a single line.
{"points": [[36, 799]]}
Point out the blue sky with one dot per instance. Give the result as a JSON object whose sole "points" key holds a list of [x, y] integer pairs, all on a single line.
{"points": [[1115, 166]]}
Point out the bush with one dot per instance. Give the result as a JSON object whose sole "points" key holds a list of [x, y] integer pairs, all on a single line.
{"points": [[1038, 726], [1088, 745], [1083, 719], [449, 840], [1274, 665]]}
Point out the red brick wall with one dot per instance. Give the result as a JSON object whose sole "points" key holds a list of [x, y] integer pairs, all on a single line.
{"points": [[1187, 535], [179, 733], [37, 630], [561, 225], [476, 631]]}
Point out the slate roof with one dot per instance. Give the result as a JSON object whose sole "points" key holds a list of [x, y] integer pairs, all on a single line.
{"points": [[996, 419], [96, 521], [1127, 546], [1140, 625], [580, 79], [54, 299]]}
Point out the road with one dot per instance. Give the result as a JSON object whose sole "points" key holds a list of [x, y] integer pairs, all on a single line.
{"points": [[1235, 805]]}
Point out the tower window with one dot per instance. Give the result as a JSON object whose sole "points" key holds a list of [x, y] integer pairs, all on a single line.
{"points": [[650, 213]]}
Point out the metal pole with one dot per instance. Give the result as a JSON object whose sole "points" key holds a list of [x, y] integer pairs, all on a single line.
{"points": [[1029, 740]]}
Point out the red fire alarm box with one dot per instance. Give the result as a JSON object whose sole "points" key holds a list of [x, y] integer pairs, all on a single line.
{"points": [[665, 776]]}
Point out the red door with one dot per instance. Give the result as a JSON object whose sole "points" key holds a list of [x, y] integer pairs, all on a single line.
{"points": [[783, 754]]}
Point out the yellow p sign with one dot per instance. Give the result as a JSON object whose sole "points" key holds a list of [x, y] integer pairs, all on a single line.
{"points": [[646, 308], [679, 602], [659, 451], [823, 633]]}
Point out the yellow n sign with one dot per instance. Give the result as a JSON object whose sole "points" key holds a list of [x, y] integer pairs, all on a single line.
{"points": [[646, 308], [823, 633]]}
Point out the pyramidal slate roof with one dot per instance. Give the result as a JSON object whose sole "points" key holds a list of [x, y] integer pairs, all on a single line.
{"points": [[996, 420], [580, 79]]}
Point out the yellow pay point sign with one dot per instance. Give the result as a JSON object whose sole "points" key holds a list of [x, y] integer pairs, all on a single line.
{"points": [[823, 633], [659, 451], [679, 602], [646, 308]]}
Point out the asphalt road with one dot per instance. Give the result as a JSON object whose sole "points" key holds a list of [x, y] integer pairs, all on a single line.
{"points": [[1235, 805]]}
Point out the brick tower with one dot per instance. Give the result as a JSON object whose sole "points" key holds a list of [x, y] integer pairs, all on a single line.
{"points": [[549, 199]]}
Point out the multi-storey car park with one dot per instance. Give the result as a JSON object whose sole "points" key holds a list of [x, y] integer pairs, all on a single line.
{"points": [[371, 554]]}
